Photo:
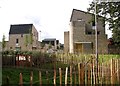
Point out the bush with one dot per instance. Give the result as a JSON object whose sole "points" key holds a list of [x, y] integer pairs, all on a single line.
{"points": [[39, 58]]}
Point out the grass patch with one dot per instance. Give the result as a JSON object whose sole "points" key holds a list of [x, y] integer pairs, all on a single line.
{"points": [[13, 73], [107, 58]]}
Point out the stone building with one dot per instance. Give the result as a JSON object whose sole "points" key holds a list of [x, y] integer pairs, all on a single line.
{"points": [[81, 37], [23, 37], [52, 42]]}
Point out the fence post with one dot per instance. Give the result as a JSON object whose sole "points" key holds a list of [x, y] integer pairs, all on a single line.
{"points": [[7, 80], [115, 69], [79, 73], [75, 77], [82, 75], [112, 71], [66, 76], [88, 75], [118, 75], [99, 73], [106, 74], [60, 73], [47, 80], [54, 77], [91, 74], [40, 78], [31, 78], [70, 75], [21, 80], [94, 77], [102, 72]]}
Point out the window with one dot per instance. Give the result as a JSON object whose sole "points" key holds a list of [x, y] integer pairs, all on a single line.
{"points": [[89, 33], [17, 48], [98, 32], [10, 47], [92, 32], [79, 19], [17, 40], [93, 23], [34, 48], [57, 41], [21, 35]]}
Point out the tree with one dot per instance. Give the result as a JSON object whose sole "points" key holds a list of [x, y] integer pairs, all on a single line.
{"points": [[26, 40], [3, 42], [31, 36], [111, 13]]}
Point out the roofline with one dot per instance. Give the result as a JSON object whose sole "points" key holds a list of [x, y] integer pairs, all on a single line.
{"points": [[82, 42], [49, 39], [83, 12], [77, 10], [23, 24]]}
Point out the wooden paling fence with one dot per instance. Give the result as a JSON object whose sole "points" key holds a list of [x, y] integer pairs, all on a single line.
{"points": [[108, 73]]}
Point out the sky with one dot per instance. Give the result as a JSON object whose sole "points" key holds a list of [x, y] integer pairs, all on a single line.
{"points": [[50, 17]]}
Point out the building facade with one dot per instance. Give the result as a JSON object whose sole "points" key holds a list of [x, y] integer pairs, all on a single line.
{"points": [[52, 42], [23, 37], [81, 37]]}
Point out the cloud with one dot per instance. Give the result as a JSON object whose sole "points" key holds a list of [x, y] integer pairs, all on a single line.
{"points": [[34, 19]]}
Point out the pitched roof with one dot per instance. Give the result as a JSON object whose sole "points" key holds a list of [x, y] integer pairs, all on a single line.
{"points": [[74, 11], [49, 39], [20, 29]]}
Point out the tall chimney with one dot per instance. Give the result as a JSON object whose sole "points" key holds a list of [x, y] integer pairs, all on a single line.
{"points": [[71, 38]]}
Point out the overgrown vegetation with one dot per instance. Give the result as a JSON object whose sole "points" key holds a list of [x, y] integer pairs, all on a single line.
{"points": [[3, 42]]}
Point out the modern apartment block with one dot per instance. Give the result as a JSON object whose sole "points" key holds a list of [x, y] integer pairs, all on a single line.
{"points": [[81, 36]]}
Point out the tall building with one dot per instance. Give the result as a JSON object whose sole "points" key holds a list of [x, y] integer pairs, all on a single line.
{"points": [[81, 36]]}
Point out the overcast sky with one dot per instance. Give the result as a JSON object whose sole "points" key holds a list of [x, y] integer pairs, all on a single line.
{"points": [[51, 17]]}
